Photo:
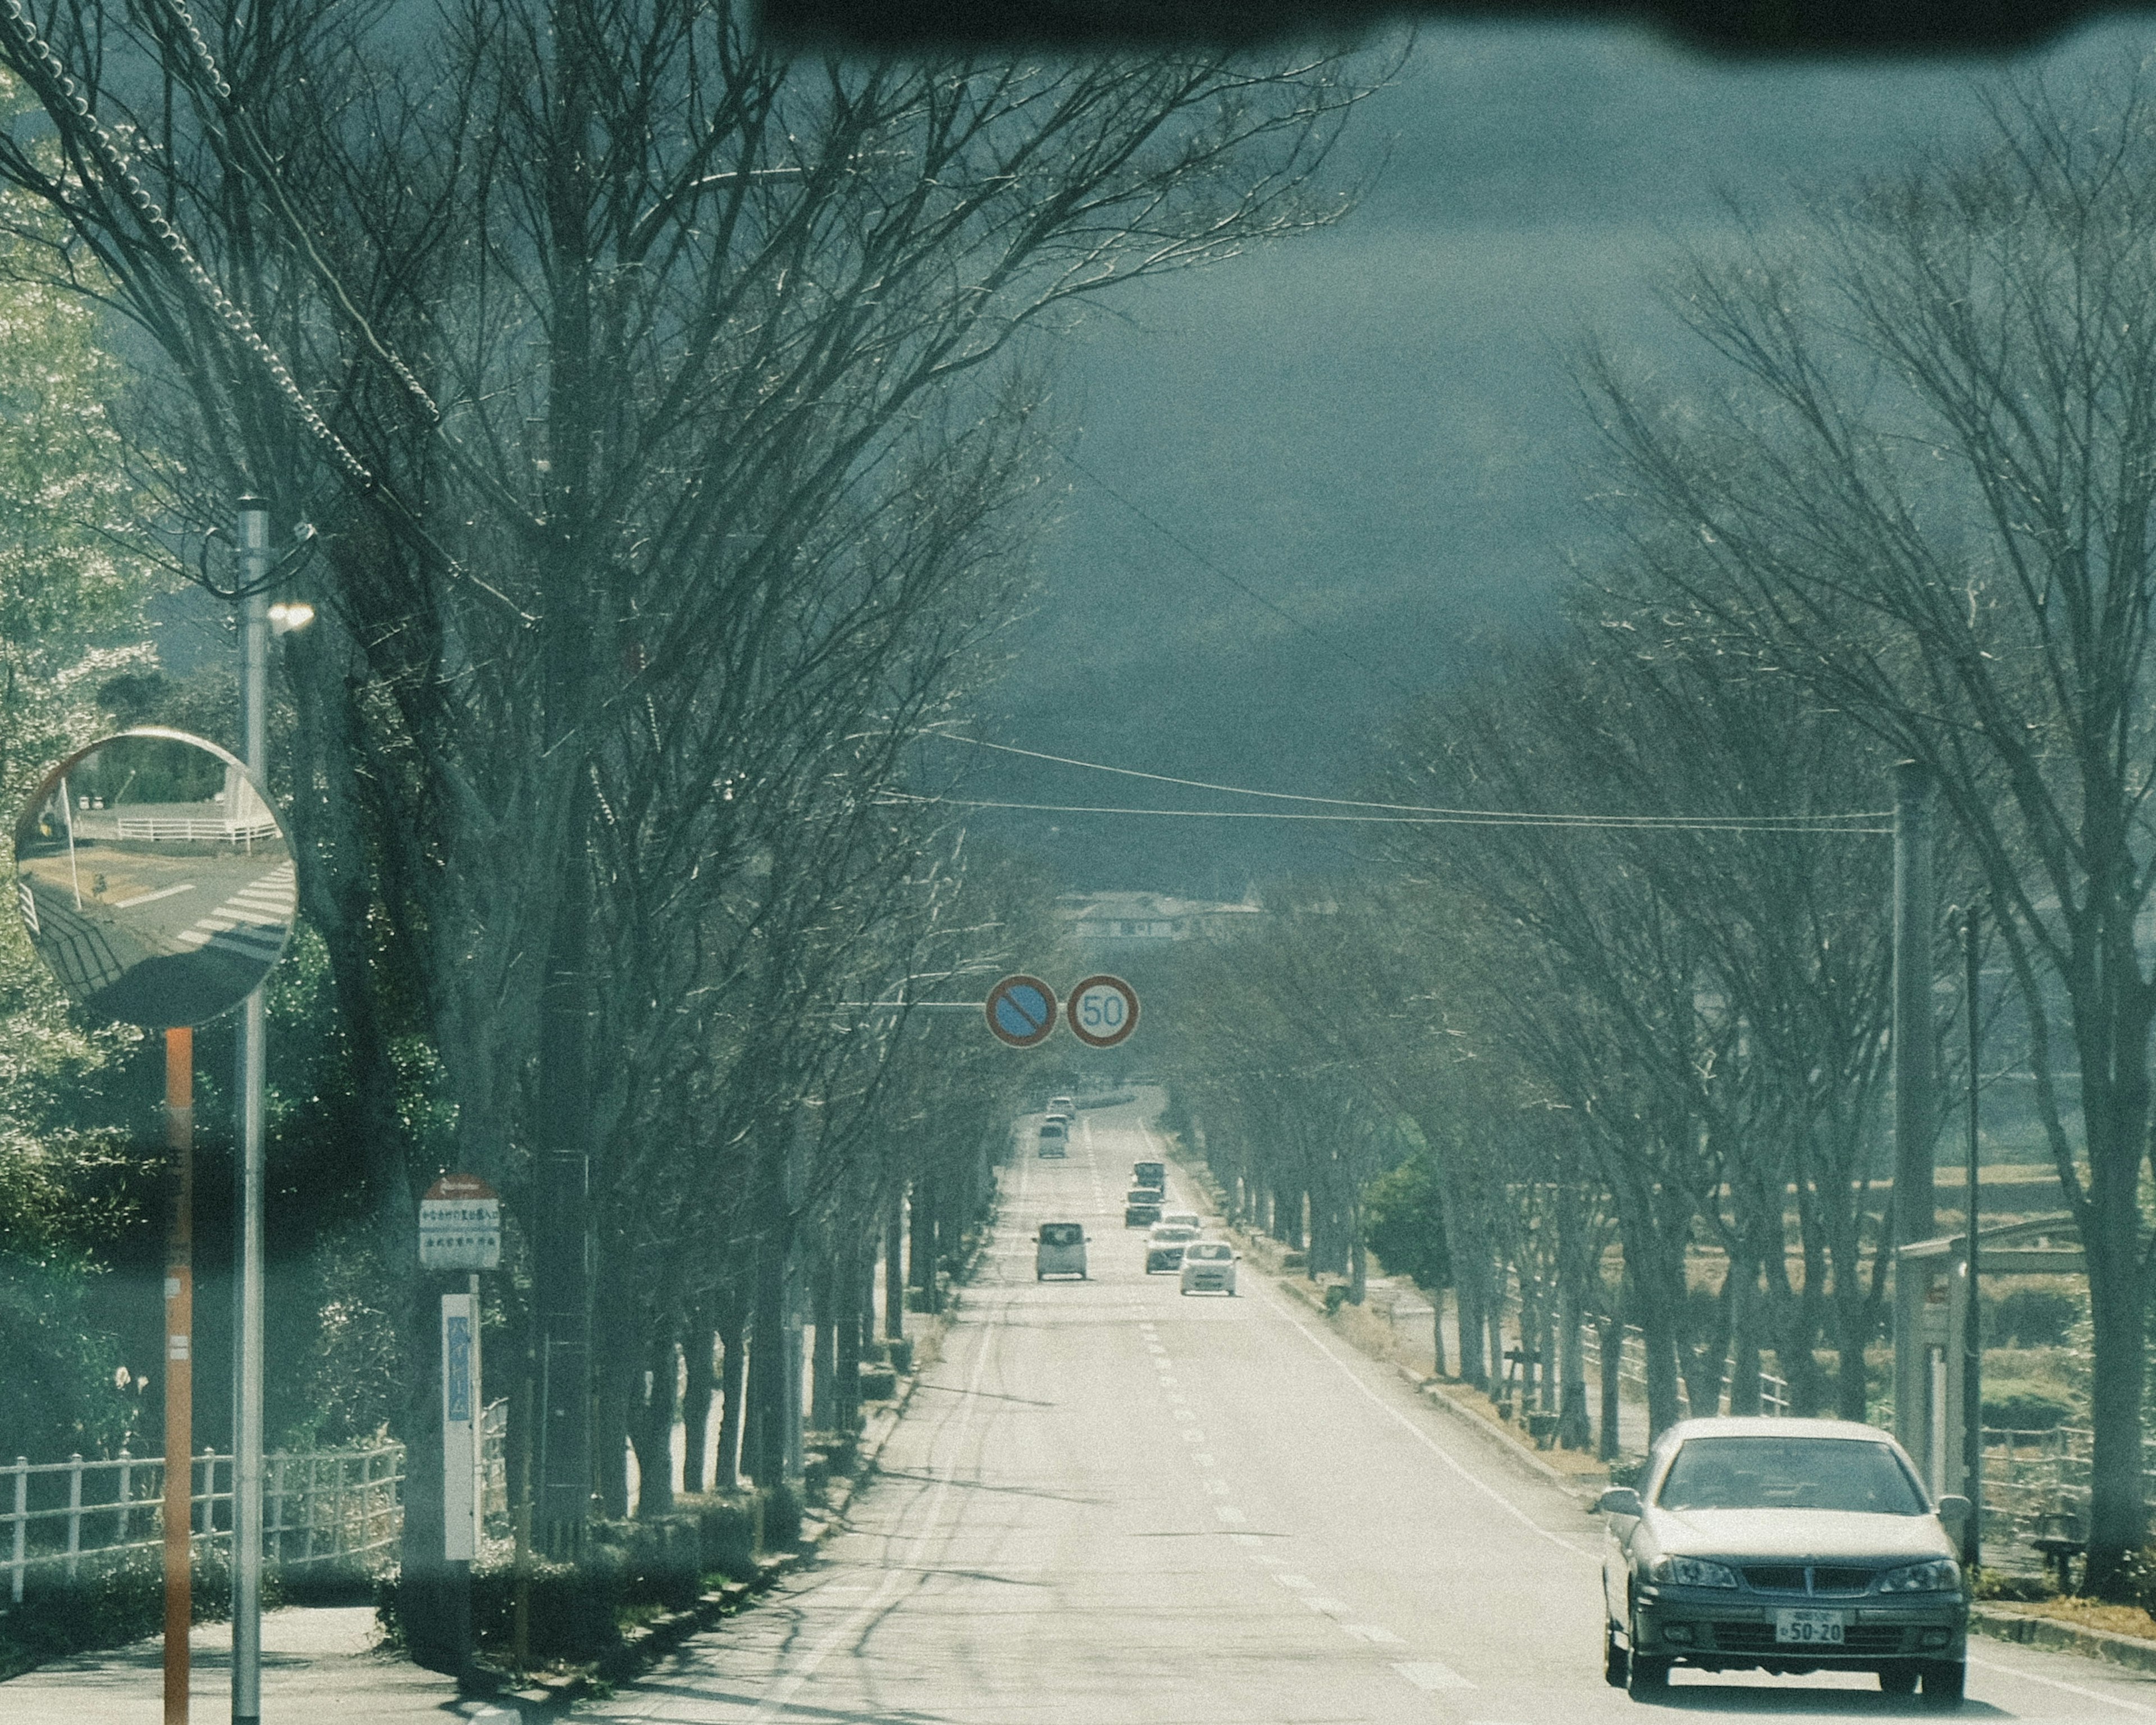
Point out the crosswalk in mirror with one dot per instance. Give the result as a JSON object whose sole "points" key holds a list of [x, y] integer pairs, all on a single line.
{"points": [[154, 879]]}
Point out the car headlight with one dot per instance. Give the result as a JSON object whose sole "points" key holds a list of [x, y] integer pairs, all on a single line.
{"points": [[1941, 1575], [1693, 1571]]}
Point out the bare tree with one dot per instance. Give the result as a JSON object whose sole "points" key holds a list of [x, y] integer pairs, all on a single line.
{"points": [[1920, 488]]}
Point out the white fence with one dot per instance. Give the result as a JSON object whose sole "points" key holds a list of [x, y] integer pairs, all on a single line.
{"points": [[324, 1507]]}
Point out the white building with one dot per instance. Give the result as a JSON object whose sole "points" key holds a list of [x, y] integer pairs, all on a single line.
{"points": [[1152, 917]]}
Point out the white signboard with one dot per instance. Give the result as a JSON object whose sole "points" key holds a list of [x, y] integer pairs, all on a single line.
{"points": [[460, 1225], [460, 1421]]}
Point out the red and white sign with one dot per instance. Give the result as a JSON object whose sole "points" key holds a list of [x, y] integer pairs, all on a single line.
{"points": [[1101, 1011], [460, 1224]]}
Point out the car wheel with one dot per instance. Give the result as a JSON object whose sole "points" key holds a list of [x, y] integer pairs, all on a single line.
{"points": [[1616, 1662], [1899, 1680], [1648, 1673], [1942, 1682]]}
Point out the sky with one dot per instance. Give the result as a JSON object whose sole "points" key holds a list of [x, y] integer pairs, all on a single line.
{"points": [[1374, 428]]}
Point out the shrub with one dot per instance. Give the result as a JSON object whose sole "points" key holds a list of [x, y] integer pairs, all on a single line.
{"points": [[2034, 1317], [2025, 1410], [1998, 1584], [899, 1352], [879, 1383], [729, 1530]]}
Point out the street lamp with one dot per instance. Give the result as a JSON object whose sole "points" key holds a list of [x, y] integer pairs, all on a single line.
{"points": [[259, 619]]}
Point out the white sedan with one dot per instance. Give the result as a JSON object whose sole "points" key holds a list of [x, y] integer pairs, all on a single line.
{"points": [[1209, 1267]]}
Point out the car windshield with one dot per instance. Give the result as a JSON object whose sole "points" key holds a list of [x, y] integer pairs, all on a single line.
{"points": [[1170, 1231], [1205, 1251], [1061, 1234], [1789, 1473]]}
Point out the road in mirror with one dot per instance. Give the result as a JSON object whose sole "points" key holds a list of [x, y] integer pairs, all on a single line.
{"points": [[154, 879]]}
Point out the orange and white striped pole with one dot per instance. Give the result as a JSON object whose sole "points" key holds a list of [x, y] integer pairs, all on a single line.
{"points": [[179, 1371]]}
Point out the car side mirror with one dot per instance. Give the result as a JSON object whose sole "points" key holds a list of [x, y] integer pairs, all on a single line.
{"points": [[1954, 1514], [1618, 1501]]}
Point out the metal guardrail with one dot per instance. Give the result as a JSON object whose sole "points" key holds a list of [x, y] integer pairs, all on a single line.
{"points": [[319, 1507], [1632, 1366]]}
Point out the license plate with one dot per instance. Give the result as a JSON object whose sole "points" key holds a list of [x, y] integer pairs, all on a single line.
{"points": [[1810, 1629]]}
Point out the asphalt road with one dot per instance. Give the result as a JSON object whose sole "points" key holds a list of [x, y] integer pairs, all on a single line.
{"points": [[1109, 1503]]}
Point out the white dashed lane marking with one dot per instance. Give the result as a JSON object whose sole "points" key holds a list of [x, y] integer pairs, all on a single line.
{"points": [[1429, 1674]]}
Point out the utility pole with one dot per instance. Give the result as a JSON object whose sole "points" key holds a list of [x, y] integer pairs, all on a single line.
{"points": [[247, 1162], [1916, 1078], [1915, 1054]]}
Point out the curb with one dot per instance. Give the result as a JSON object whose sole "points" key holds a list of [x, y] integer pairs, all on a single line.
{"points": [[642, 1647], [2032, 1631]]}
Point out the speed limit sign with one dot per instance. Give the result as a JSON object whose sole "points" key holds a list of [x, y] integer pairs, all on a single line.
{"points": [[1101, 1011]]}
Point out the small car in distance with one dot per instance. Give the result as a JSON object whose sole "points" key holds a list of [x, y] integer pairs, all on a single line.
{"points": [[1059, 1250], [1064, 1105], [1786, 1546], [1140, 1207], [1150, 1173], [1184, 1218], [1164, 1246], [1054, 1138], [1209, 1267]]}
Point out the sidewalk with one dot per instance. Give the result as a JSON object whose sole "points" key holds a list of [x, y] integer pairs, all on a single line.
{"points": [[326, 1663], [318, 1662]]}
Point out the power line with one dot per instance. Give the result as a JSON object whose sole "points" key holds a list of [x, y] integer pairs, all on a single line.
{"points": [[1494, 817], [1461, 818], [1247, 592]]}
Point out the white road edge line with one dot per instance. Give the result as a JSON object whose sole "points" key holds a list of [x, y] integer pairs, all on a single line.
{"points": [[1407, 1424], [2015, 1671]]}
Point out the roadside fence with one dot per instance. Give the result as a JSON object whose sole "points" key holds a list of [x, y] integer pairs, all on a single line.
{"points": [[319, 1508]]}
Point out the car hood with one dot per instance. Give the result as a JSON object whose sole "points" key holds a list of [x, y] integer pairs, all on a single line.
{"points": [[1796, 1534]]}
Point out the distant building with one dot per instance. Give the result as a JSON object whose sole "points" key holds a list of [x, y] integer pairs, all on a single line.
{"points": [[1151, 916]]}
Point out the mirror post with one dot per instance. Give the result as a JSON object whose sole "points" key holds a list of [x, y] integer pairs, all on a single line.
{"points": [[179, 1370], [247, 1283]]}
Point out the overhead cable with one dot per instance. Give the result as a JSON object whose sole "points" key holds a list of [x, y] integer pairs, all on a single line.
{"points": [[1773, 822]]}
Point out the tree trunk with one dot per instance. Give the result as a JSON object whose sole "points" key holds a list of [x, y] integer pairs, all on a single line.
{"points": [[619, 1378], [1437, 1333], [1611, 1334], [920, 1250], [1574, 1430], [1743, 1322], [856, 1316], [699, 1348], [733, 1391], [823, 1413], [894, 1267], [652, 1429], [2110, 1239]]}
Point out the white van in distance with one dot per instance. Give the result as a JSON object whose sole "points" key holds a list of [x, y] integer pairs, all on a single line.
{"points": [[1060, 1250]]}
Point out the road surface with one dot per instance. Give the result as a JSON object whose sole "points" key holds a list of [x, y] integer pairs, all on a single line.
{"points": [[1109, 1503]]}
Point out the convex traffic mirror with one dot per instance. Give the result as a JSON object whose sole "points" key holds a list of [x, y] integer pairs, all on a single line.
{"points": [[154, 878]]}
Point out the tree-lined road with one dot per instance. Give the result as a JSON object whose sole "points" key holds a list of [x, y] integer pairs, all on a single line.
{"points": [[1110, 1502]]}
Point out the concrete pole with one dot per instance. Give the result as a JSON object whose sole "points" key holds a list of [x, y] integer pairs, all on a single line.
{"points": [[1916, 1076], [247, 1090]]}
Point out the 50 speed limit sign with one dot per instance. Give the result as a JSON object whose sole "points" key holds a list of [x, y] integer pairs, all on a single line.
{"points": [[1101, 1011]]}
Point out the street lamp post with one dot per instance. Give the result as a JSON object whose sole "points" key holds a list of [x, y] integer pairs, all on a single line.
{"points": [[247, 1312]]}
